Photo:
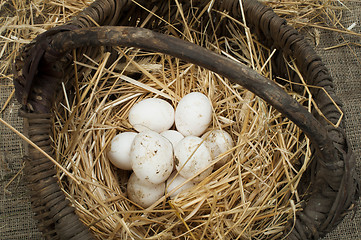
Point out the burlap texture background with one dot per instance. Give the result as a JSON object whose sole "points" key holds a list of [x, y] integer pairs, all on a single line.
{"points": [[344, 63]]}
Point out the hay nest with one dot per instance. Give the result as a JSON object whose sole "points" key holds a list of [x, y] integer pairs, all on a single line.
{"points": [[253, 195], [256, 195]]}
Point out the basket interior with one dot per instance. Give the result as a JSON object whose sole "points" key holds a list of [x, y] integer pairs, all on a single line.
{"points": [[254, 195]]}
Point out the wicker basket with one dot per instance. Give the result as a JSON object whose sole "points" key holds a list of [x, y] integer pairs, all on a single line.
{"points": [[45, 62]]}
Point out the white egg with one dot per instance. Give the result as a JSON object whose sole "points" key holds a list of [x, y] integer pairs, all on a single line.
{"points": [[173, 136], [119, 150], [174, 181], [151, 114], [218, 142], [193, 114], [143, 192], [192, 156], [151, 157]]}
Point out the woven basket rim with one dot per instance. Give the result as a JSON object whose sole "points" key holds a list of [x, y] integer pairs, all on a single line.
{"points": [[336, 186]]}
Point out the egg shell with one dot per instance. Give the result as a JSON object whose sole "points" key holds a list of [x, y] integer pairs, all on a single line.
{"points": [[151, 157], [192, 156], [173, 136], [174, 181], [119, 150], [218, 141], [151, 114], [193, 114], [143, 192]]}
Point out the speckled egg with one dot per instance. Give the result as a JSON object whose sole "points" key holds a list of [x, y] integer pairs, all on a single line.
{"points": [[175, 181], [218, 142], [193, 114], [192, 156], [119, 150], [143, 192], [151, 114], [151, 157]]}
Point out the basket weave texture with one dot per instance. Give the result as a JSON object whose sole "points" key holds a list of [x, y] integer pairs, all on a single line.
{"points": [[44, 64]]}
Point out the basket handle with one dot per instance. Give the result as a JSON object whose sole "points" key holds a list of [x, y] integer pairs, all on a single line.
{"points": [[235, 72]]}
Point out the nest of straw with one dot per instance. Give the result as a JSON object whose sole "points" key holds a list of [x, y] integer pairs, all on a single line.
{"points": [[252, 196]]}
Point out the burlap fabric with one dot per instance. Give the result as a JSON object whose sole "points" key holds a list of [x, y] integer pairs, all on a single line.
{"points": [[344, 63]]}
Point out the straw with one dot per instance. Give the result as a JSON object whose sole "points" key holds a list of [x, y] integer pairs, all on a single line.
{"points": [[262, 166], [252, 196]]}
